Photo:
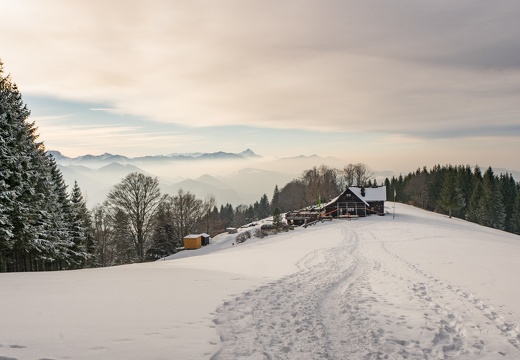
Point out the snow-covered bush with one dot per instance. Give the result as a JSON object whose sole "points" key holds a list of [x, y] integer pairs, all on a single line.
{"points": [[243, 237]]}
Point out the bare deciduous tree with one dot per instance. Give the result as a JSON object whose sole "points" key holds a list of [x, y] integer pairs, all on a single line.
{"points": [[356, 175], [137, 196], [187, 212], [320, 182], [349, 175]]}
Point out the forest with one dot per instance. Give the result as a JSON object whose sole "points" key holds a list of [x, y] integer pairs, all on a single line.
{"points": [[464, 192], [45, 227]]}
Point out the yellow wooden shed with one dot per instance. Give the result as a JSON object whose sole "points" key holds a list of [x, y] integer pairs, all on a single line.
{"points": [[193, 242]]}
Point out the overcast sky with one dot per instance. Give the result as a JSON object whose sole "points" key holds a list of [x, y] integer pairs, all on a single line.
{"points": [[394, 84]]}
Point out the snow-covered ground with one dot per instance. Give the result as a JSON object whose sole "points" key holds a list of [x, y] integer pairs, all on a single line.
{"points": [[420, 286]]}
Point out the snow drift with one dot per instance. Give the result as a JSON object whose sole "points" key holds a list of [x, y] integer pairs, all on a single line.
{"points": [[420, 286]]}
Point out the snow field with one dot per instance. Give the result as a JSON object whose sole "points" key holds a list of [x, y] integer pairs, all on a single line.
{"points": [[364, 298], [420, 286]]}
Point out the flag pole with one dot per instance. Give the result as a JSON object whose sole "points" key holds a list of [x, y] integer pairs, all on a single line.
{"points": [[393, 216]]}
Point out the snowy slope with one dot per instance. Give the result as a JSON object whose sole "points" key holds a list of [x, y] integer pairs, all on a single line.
{"points": [[420, 286]]}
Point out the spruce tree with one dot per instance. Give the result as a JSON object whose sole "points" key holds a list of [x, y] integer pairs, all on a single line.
{"points": [[23, 186], [263, 207], [515, 218], [277, 219], [164, 241], [450, 198], [34, 206], [472, 212], [508, 189], [476, 193], [490, 211], [275, 202], [80, 225], [17, 178]]}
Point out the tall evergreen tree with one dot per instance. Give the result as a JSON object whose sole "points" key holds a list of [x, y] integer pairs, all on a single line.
{"points": [[227, 215], [164, 241], [277, 219], [450, 198], [80, 228], [508, 189], [18, 177], [34, 207], [263, 207], [490, 211], [275, 201], [472, 214], [59, 221], [515, 217]]}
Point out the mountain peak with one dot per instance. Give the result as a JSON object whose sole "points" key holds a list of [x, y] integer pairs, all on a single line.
{"points": [[56, 154], [248, 153]]}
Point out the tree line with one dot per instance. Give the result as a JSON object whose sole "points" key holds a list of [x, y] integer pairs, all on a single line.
{"points": [[484, 198]]}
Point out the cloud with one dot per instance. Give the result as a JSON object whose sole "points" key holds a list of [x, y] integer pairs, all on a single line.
{"points": [[393, 67], [117, 138]]}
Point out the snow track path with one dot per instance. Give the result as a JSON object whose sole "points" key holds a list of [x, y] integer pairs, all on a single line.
{"points": [[364, 299]]}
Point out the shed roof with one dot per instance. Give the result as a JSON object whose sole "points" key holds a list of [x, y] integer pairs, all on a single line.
{"points": [[192, 236]]}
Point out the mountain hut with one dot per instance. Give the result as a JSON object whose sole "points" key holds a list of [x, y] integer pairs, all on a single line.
{"points": [[358, 201]]}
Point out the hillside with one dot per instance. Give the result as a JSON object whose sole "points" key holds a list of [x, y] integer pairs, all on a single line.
{"points": [[420, 286]]}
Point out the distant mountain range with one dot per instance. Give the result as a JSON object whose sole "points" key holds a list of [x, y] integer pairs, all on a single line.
{"points": [[240, 187], [229, 177], [107, 158], [240, 178]]}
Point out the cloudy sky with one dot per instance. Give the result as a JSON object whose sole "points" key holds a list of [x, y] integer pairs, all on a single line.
{"points": [[394, 84]]}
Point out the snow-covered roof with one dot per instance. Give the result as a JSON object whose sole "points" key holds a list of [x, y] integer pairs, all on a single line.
{"points": [[332, 201], [371, 194], [192, 236]]}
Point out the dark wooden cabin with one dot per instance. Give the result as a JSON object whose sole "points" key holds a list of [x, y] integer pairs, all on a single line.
{"points": [[357, 201]]}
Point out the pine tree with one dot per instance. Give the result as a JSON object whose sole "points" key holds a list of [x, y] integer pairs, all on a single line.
{"points": [[508, 189], [17, 177], [450, 198], [515, 218], [472, 213], [80, 228], [33, 235], [277, 219], [275, 202], [490, 211], [56, 213], [435, 186], [227, 215], [464, 178], [163, 235], [263, 207]]}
